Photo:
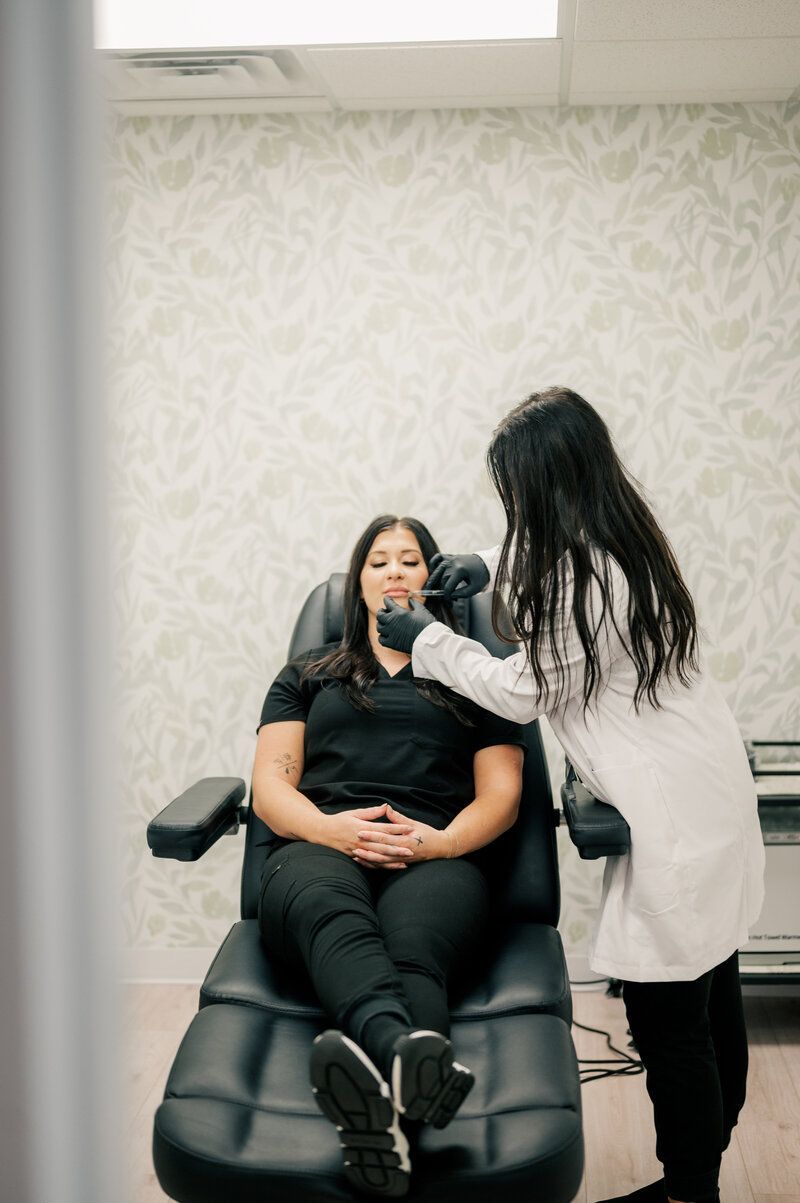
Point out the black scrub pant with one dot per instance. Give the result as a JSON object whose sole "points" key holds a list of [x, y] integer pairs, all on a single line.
{"points": [[379, 945], [692, 1040]]}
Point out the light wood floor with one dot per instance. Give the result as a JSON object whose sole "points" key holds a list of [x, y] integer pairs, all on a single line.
{"points": [[762, 1164]]}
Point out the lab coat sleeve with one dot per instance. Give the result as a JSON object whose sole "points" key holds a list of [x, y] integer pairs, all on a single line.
{"points": [[491, 558], [507, 687], [504, 687]]}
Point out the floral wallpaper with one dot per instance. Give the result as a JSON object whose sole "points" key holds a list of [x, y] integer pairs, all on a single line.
{"points": [[316, 318]]}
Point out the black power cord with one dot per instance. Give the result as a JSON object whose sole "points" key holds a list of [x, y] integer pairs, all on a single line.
{"points": [[626, 1065]]}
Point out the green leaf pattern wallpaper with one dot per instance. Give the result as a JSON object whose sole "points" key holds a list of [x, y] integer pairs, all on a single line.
{"points": [[316, 318]]}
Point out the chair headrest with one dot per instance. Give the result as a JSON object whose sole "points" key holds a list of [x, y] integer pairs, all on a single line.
{"points": [[333, 610]]}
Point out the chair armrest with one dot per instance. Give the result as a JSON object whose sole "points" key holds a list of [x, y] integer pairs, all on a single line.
{"points": [[595, 828], [196, 819]]}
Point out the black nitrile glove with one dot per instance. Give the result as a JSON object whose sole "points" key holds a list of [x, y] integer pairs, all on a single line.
{"points": [[459, 576], [398, 627]]}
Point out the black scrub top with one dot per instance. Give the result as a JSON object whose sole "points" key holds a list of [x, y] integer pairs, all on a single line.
{"points": [[409, 752]]}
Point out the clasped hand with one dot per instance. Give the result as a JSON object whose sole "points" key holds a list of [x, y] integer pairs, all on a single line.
{"points": [[399, 842], [391, 844]]}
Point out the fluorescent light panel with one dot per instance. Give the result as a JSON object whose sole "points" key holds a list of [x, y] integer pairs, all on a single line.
{"points": [[185, 24]]}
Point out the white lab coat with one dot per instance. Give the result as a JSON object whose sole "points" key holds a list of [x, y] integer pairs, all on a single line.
{"points": [[683, 898]]}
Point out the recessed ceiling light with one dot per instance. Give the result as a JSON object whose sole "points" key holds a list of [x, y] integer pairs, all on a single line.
{"points": [[183, 24]]}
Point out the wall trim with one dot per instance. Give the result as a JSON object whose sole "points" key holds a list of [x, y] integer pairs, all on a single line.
{"points": [[188, 966], [579, 971], [166, 965]]}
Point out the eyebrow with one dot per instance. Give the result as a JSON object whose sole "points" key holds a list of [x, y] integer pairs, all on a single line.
{"points": [[414, 551]]}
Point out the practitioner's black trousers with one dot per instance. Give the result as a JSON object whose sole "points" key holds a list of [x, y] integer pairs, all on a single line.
{"points": [[692, 1040], [375, 942]]}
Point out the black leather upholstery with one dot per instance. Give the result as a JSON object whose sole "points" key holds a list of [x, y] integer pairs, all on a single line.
{"points": [[523, 971], [238, 1120], [595, 828], [194, 821]]}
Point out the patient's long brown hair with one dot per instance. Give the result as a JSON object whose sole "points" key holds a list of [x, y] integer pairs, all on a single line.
{"points": [[566, 494], [353, 663]]}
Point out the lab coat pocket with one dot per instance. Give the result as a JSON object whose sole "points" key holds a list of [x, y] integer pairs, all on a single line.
{"points": [[651, 883], [612, 761]]}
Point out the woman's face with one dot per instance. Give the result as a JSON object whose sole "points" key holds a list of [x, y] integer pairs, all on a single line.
{"points": [[394, 568]]}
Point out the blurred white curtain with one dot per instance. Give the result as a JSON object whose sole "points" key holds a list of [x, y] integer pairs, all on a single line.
{"points": [[60, 1110]]}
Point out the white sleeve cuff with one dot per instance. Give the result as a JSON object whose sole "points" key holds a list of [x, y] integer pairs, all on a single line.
{"points": [[429, 638], [491, 558]]}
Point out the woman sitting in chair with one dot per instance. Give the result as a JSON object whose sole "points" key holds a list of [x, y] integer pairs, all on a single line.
{"points": [[380, 788]]}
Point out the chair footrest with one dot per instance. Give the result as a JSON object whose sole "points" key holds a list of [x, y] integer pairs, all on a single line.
{"points": [[239, 1119]]}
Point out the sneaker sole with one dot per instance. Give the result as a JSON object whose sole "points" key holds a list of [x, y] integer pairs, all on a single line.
{"points": [[427, 1084], [352, 1095]]}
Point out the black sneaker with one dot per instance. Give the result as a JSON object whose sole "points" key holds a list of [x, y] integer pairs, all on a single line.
{"points": [[353, 1095], [427, 1084]]}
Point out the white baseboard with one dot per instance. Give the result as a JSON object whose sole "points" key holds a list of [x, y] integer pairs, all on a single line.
{"points": [[178, 965], [580, 975], [190, 965]]}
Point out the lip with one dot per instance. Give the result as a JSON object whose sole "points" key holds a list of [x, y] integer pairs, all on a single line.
{"points": [[396, 593]]}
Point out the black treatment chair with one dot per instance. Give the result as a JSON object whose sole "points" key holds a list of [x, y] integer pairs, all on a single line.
{"points": [[238, 1121]]}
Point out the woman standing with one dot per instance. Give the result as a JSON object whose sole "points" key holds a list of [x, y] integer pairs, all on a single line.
{"points": [[611, 657]]}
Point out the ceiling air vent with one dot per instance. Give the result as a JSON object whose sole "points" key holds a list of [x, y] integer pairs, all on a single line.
{"points": [[190, 81]]}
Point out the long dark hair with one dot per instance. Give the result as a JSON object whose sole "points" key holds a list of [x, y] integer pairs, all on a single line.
{"points": [[569, 504], [353, 663]]}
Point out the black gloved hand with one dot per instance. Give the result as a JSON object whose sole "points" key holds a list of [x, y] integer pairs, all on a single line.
{"points": [[398, 627], [459, 576]]}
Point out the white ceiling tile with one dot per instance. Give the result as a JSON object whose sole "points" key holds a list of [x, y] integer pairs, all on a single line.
{"points": [[681, 96], [643, 68], [650, 20], [469, 70]]}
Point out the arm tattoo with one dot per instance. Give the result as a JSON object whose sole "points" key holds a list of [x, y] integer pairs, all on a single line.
{"points": [[286, 761]]}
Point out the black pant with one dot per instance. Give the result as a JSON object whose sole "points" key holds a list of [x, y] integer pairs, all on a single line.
{"points": [[692, 1040], [375, 942]]}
